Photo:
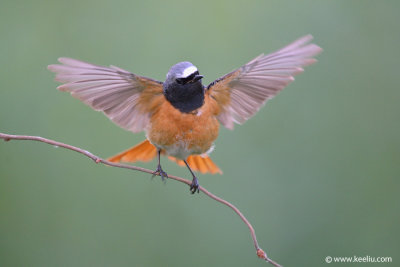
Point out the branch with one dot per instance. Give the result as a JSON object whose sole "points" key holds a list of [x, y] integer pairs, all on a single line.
{"points": [[260, 253]]}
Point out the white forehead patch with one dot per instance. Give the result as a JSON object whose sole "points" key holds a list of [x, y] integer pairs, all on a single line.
{"points": [[188, 71]]}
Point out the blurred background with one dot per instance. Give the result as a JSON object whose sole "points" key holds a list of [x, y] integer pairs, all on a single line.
{"points": [[316, 171]]}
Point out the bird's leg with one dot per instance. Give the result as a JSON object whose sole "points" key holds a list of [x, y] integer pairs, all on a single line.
{"points": [[195, 183], [159, 170]]}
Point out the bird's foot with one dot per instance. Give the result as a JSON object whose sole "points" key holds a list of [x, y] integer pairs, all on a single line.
{"points": [[160, 172], [195, 185]]}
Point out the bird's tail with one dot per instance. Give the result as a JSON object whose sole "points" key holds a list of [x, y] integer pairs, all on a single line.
{"points": [[146, 151], [200, 163]]}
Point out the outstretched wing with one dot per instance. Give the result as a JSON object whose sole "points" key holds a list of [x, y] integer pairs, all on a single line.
{"points": [[239, 95], [127, 99]]}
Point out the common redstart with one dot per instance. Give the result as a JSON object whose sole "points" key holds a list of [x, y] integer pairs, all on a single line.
{"points": [[181, 116]]}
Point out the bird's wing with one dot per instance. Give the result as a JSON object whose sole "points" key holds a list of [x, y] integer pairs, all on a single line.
{"points": [[127, 99], [238, 95]]}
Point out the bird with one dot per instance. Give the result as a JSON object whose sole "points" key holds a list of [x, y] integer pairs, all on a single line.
{"points": [[180, 116]]}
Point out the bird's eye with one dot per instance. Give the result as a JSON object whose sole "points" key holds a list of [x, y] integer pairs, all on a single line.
{"points": [[183, 80]]}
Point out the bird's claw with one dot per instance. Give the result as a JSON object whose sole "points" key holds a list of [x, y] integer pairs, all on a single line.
{"points": [[195, 186], [160, 172]]}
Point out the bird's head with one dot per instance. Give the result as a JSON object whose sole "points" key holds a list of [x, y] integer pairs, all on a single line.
{"points": [[183, 87], [182, 74]]}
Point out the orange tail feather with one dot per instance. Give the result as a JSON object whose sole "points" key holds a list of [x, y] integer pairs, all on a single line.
{"points": [[199, 163], [145, 151]]}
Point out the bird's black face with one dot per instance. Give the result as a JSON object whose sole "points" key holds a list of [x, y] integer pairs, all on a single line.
{"points": [[183, 87], [192, 78]]}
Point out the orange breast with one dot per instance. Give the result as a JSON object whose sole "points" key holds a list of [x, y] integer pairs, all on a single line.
{"points": [[183, 134]]}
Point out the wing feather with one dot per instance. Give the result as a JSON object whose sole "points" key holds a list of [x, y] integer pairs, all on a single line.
{"points": [[241, 93], [127, 99]]}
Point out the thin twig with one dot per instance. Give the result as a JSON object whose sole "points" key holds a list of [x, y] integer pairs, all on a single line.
{"points": [[260, 253]]}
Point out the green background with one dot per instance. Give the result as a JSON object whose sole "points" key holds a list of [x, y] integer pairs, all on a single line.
{"points": [[316, 171]]}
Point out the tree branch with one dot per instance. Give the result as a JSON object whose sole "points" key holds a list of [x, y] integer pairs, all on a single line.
{"points": [[260, 253]]}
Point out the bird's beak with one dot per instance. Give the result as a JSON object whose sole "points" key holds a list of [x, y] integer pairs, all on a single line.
{"points": [[197, 77]]}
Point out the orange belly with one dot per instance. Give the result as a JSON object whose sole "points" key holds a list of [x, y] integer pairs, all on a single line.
{"points": [[183, 134]]}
